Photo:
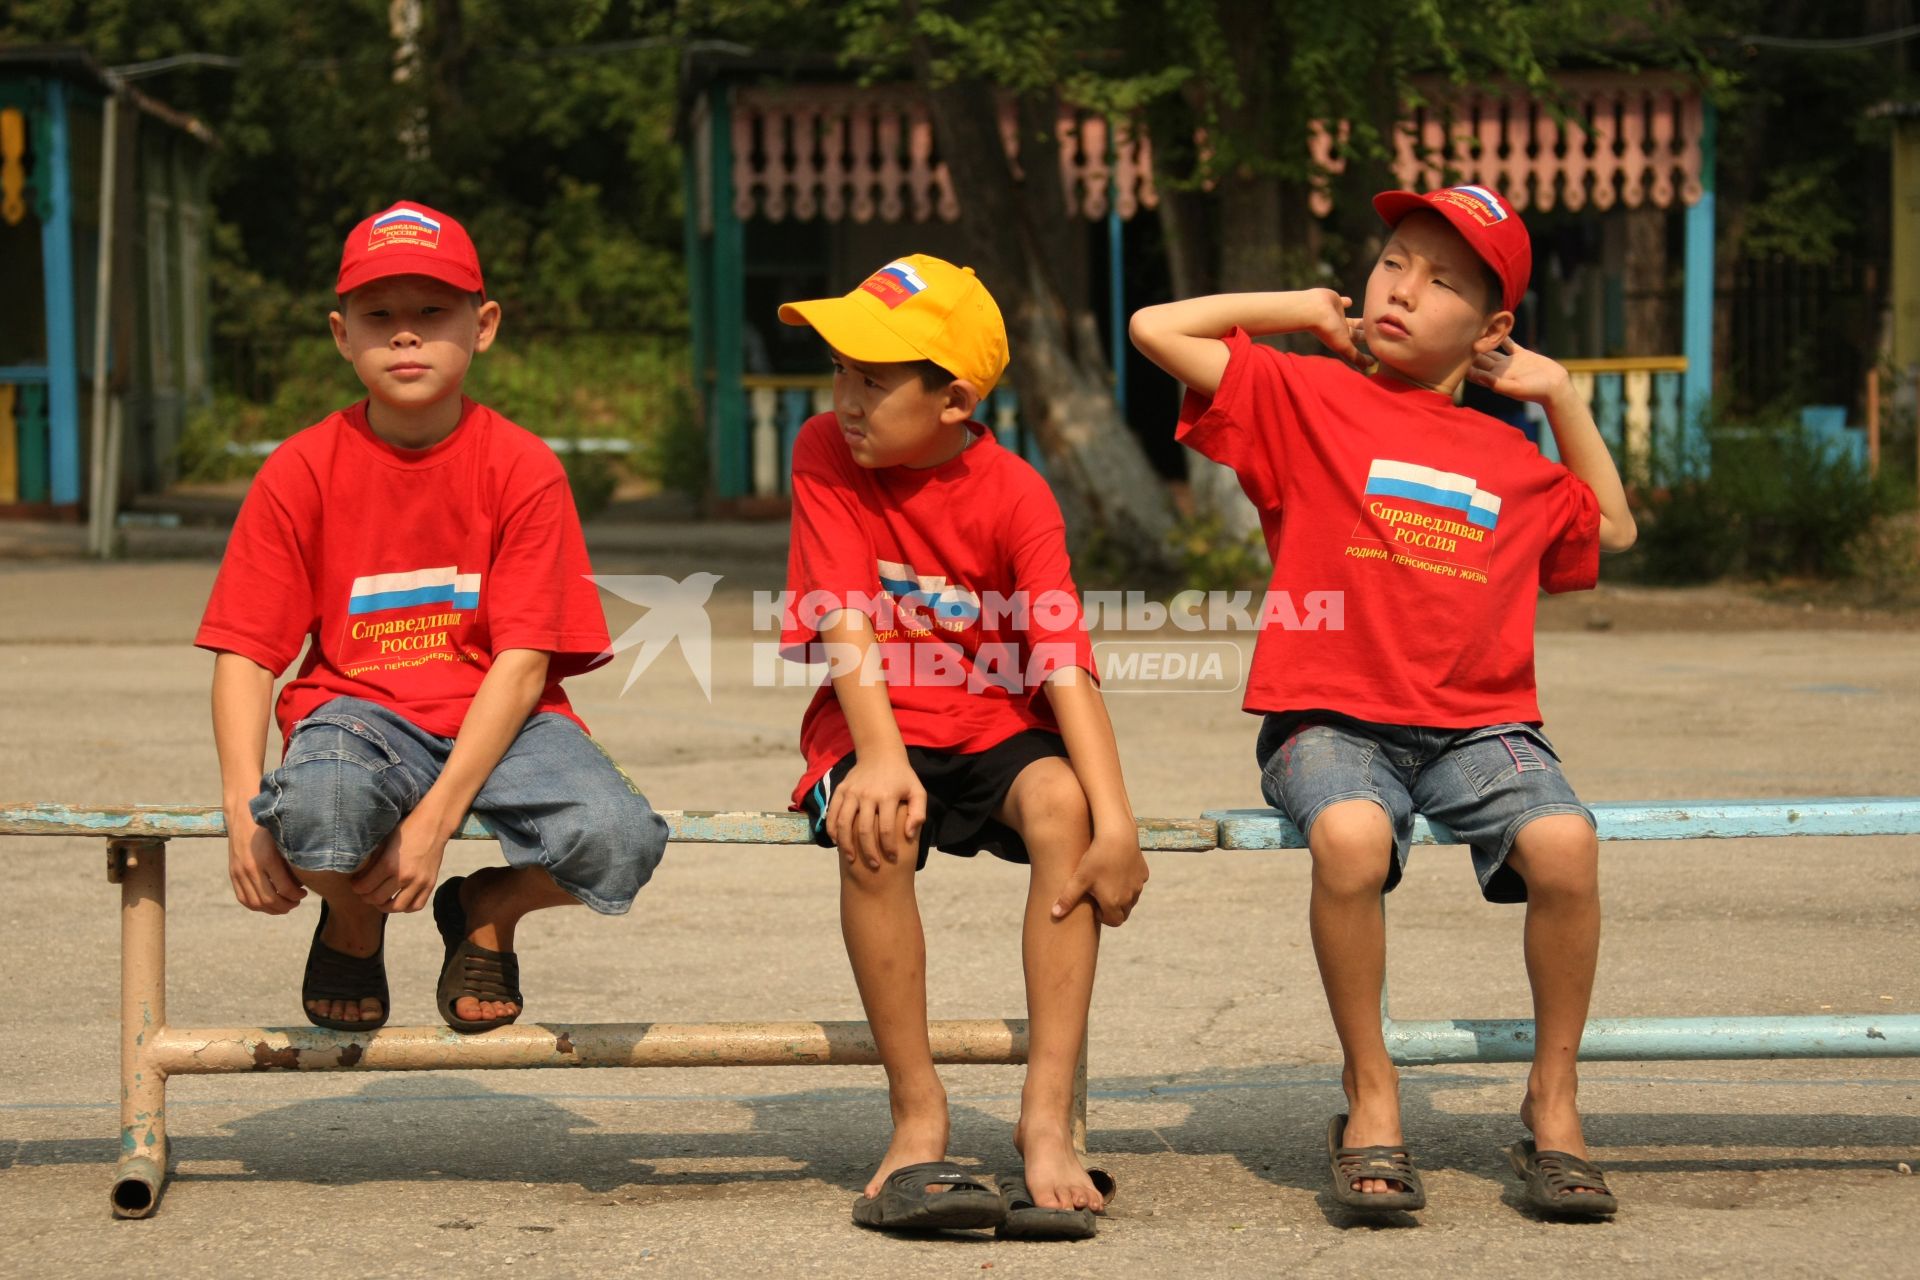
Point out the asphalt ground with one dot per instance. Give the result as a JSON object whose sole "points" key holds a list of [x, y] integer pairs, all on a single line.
{"points": [[1213, 1064]]}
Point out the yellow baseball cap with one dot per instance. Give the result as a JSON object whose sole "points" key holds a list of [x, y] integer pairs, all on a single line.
{"points": [[915, 308]]}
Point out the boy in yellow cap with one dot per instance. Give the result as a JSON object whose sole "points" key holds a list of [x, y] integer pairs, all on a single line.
{"points": [[928, 567]]}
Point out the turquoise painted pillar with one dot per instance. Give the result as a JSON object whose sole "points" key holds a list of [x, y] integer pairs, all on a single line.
{"points": [[1697, 311], [728, 438], [1117, 299], [56, 261], [699, 277]]}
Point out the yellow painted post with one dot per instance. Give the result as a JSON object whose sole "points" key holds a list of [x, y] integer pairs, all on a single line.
{"points": [[9, 445], [1906, 243], [13, 173]]}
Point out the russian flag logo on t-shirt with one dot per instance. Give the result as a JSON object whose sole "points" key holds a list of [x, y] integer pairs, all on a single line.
{"points": [[951, 605], [1387, 478], [416, 587]]}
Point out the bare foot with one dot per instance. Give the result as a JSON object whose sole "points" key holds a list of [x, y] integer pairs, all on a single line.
{"points": [[487, 927], [1054, 1174], [919, 1135], [1555, 1126], [356, 931], [1373, 1120]]}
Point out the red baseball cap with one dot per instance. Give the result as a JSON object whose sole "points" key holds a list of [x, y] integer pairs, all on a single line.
{"points": [[409, 239], [1485, 219]]}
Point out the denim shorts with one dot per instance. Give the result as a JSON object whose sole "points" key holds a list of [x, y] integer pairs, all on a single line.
{"points": [[1482, 784], [353, 769]]}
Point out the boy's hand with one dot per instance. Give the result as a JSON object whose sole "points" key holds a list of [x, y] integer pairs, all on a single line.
{"points": [[403, 870], [1338, 331], [1519, 374], [262, 880], [877, 812], [1112, 873]]}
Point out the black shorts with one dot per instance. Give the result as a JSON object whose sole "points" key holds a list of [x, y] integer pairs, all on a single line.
{"points": [[963, 790]]}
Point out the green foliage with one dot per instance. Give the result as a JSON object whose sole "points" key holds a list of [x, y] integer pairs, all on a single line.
{"points": [[559, 158], [676, 454], [1780, 501], [585, 386], [593, 477], [1212, 559]]}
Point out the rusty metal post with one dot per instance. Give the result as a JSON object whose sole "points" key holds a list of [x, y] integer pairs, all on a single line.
{"points": [[139, 867], [217, 1050], [1873, 420], [1080, 1099]]}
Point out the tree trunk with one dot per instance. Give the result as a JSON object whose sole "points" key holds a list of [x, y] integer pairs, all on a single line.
{"points": [[1249, 249], [1017, 230]]}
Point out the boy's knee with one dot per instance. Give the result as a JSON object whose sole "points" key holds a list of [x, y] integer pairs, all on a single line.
{"points": [[615, 848], [885, 879], [1352, 847], [326, 806], [1047, 795], [1558, 856]]}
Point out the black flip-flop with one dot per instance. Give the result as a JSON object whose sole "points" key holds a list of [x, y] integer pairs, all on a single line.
{"points": [[1027, 1220], [469, 970], [1562, 1185], [1350, 1165], [335, 975], [907, 1202]]}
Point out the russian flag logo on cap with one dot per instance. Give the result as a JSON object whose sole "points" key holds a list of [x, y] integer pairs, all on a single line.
{"points": [[1485, 203], [408, 215], [404, 226], [894, 283]]}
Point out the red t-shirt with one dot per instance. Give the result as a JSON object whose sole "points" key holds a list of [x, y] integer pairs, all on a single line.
{"points": [[409, 569], [1437, 525], [963, 569]]}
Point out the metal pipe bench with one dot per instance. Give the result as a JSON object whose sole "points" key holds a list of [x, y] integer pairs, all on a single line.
{"points": [[152, 1050], [1454, 1040]]}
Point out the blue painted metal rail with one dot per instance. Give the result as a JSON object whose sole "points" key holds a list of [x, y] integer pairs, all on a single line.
{"points": [[1431, 1042], [1411, 1042], [168, 822]]}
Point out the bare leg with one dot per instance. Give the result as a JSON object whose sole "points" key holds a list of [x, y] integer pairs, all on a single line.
{"points": [[1352, 846], [1048, 807], [880, 921], [1559, 858], [353, 928], [495, 899]]}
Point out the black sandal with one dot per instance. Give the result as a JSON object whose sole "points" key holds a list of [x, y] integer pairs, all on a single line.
{"points": [[909, 1200], [1027, 1220], [1560, 1184], [1350, 1165], [469, 970], [335, 975]]}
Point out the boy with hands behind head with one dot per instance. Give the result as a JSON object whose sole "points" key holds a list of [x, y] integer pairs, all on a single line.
{"points": [[1439, 526]]}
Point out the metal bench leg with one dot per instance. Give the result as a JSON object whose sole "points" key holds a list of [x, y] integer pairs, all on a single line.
{"points": [[139, 867]]}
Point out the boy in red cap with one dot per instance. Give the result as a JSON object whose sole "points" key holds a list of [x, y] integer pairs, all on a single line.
{"points": [[1439, 526], [928, 567], [427, 554]]}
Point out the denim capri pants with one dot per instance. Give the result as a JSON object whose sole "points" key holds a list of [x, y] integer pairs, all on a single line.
{"points": [[1484, 784], [353, 769]]}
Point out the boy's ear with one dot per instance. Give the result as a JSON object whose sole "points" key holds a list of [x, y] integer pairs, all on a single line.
{"points": [[338, 323], [488, 314], [1495, 332], [962, 399]]}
